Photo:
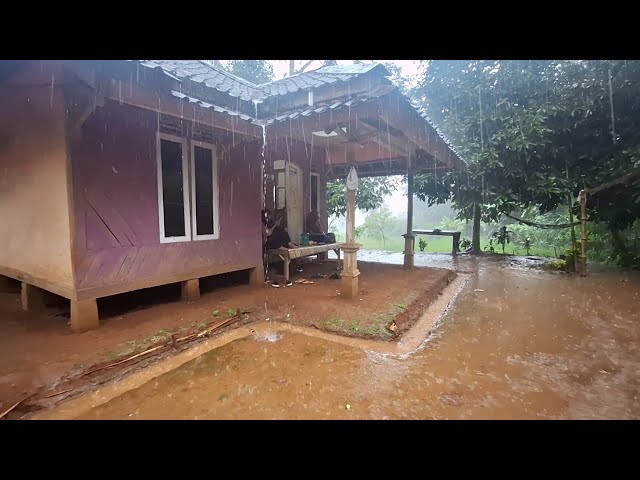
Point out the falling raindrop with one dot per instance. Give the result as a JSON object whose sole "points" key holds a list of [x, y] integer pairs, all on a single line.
{"points": [[304, 139], [480, 104], [613, 120], [51, 101]]}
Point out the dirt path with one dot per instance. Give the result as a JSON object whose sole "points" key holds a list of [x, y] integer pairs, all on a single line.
{"points": [[37, 350], [517, 343]]}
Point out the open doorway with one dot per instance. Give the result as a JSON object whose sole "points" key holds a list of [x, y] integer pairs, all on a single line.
{"points": [[289, 197]]}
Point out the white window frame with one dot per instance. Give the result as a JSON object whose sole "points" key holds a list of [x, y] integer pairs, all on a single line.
{"points": [[185, 188], [317, 175], [216, 210]]}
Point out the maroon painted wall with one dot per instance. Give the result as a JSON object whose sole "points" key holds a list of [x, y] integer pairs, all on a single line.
{"points": [[310, 160], [116, 246]]}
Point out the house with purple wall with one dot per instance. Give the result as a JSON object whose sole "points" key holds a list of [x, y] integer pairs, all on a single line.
{"points": [[120, 175]]}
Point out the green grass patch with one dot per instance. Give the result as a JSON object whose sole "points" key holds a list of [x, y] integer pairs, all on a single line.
{"points": [[340, 325], [437, 244]]}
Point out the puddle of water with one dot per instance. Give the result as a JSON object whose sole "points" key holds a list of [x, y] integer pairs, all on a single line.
{"points": [[268, 337], [517, 343]]}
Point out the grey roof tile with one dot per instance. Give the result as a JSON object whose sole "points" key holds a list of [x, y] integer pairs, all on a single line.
{"points": [[216, 108], [200, 72]]}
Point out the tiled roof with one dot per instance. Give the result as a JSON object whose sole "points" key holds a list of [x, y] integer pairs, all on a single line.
{"points": [[216, 108], [201, 72], [218, 79], [318, 78], [223, 81], [305, 112]]}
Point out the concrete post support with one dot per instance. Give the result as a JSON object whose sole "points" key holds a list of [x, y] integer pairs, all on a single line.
{"points": [[190, 290], [33, 298], [350, 270], [256, 277], [84, 315]]}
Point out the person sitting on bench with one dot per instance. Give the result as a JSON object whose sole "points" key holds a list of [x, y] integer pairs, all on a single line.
{"points": [[315, 231], [273, 235]]}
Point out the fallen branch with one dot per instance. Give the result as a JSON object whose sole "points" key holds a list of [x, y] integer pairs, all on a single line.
{"points": [[127, 359], [542, 225], [172, 342], [217, 325], [624, 179]]}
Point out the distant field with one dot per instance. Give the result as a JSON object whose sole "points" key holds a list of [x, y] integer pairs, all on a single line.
{"points": [[443, 244]]}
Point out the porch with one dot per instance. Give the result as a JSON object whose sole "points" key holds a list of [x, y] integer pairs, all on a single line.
{"points": [[365, 123]]}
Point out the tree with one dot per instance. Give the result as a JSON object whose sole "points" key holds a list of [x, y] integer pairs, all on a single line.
{"points": [[534, 132], [370, 195], [378, 223], [255, 71]]}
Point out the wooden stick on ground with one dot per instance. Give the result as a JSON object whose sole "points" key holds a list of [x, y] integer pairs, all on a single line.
{"points": [[3, 414], [217, 325], [128, 358], [58, 393], [11, 408], [172, 342]]}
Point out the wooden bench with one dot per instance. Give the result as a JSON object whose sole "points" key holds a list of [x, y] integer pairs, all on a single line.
{"points": [[447, 233], [288, 254]]}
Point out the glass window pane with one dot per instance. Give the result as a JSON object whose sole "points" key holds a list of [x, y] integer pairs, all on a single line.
{"points": [[172, 188], [203, 183]]}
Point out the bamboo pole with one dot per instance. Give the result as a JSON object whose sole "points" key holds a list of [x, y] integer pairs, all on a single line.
{"points": [[573, 234], [583, 209], [573, 228], [583, 220]]}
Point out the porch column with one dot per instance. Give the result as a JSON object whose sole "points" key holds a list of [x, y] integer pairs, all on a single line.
{"points": [[409, 237], [350, 270]]}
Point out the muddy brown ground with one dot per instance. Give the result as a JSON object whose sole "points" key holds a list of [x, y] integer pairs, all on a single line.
{"points": [[517, 343], [39, 349]]}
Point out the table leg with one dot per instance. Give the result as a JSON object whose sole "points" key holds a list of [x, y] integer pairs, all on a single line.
{"points": [[456, 243], [287, 262]]}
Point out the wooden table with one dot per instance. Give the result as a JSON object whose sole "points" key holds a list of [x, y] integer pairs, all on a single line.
{"points": [[446, 233]]}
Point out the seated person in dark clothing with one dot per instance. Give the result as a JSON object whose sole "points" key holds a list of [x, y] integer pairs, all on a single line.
{"points": [[273, 235], [315, 231]]}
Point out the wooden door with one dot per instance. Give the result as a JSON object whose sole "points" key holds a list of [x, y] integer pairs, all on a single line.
{"points": [[295, 213]]}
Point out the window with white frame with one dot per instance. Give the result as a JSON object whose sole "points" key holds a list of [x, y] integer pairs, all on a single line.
{"points": [[187, 189]]}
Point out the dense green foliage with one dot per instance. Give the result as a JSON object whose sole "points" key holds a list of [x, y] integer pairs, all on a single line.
{"points": [[534, 133], [370, 195]]}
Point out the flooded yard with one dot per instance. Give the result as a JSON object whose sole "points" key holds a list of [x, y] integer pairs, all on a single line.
{"points": [[517, 343]]}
